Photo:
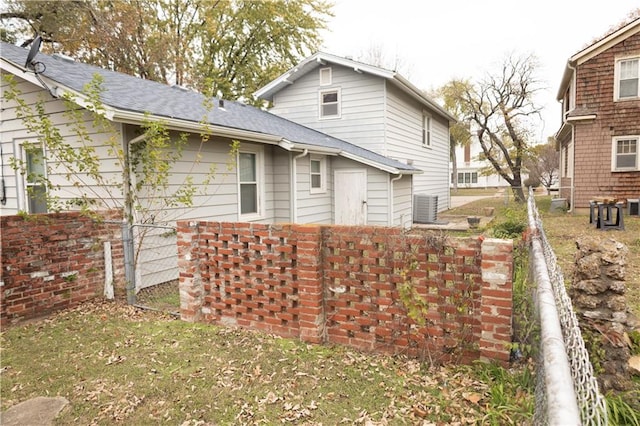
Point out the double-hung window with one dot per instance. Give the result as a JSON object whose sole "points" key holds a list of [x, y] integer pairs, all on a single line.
{"points": [[35, 179], [250, 184], [627, 78], [318, 175], [625, 153], [330, 103]]}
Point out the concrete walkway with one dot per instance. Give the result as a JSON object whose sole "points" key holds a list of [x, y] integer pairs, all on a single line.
{"points": [[460, 200], [39, 411]]}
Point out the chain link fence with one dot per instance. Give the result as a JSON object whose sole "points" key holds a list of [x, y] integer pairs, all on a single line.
{"points": [[156, 268], [562, 349]]}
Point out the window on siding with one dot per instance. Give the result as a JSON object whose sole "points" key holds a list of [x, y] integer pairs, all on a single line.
{"points": [[318, 175], [325, 76], [468, 177], [249, 183], [36, 188], [625, 153], [628, 78], [426, 130], [330, 104]]}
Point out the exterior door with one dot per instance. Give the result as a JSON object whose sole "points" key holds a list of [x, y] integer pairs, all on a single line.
{"points": [[350, 188]]}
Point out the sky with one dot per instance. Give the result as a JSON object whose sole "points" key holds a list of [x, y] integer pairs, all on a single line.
{"points": [[436, 42]]}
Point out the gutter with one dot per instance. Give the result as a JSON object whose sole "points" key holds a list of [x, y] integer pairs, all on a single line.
{"points": [[390, 203]]}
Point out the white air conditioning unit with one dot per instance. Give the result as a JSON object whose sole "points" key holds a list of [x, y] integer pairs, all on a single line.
{"points": [[425, 208]]}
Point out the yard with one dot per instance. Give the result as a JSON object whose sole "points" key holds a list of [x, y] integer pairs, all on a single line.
{"points": [[117, 364]]}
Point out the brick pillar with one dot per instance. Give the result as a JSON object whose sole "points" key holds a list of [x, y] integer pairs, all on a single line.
{"points": [[310, 276], [191, 291], [497, 300]]}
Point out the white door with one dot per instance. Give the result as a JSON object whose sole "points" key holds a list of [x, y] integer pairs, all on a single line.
{"points": [[350, 187]]}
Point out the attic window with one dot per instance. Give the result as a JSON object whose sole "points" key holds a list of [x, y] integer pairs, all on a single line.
{"points": [[330, 104], [325, 76]]}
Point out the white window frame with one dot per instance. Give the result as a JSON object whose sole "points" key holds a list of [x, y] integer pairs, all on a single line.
{"points": [[617, 76], [326, 76], [614, 153], [427, 129], [321, 104], [260, 184], [23, 179], [323, 175]]}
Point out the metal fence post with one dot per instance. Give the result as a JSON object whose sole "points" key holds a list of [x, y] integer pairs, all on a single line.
{"points": [[129, 271]]}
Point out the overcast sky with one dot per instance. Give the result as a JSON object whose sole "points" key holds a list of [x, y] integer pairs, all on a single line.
{"points": [[439, 41]]}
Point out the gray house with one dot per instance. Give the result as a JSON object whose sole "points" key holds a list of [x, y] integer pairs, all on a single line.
{"points": [[373, 108], [283, 172]]}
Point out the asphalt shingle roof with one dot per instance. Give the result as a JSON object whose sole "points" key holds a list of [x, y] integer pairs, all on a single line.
{"points": [[128, 93]]}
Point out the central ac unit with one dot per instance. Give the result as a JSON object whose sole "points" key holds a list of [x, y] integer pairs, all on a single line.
{"points": [[425, 208]]}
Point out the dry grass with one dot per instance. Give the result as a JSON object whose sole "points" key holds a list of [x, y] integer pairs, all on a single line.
{"points": [[563, 230], [120, 365]]}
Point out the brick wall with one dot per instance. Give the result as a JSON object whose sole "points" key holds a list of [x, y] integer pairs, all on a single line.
{"points": [[352, 286], [54, 261]]}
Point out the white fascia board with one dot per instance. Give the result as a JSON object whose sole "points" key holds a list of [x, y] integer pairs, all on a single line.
{"points": [[379, 166], [314, 149], [131, 117], [582, 117], [607, 42]]}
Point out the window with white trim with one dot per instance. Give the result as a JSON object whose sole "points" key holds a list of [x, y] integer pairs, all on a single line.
{"points": [[627, 78], [325, 76], [35, 179], [250, 184], [625, 153], [317, 175], [426, 130], [330, 103]]}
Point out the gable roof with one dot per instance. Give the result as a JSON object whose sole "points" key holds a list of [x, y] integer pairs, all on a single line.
{"points": [[321, 59], [129, 99], [595, 49]]}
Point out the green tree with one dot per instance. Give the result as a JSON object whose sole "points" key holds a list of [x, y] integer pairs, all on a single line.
{"points": [[459, 134], [502, 111], [227, 47]]}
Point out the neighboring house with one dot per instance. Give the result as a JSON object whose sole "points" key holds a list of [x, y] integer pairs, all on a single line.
{"points": [[599, 139], [469, 166], [371, 107], [285, 172]]}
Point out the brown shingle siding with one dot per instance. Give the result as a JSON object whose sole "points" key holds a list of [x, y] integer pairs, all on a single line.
{"points": [[594, 138]]}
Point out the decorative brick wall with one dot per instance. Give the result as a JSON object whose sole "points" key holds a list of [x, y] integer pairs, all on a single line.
{"points": [[351, 285], [54, 261]]}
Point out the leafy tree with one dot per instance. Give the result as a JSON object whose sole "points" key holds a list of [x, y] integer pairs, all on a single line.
{"points": [[228, 48], [502, 111], [543, 162], [459, 134]]}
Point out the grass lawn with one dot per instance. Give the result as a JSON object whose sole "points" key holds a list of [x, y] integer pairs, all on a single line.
{"points": [[116, 364]]}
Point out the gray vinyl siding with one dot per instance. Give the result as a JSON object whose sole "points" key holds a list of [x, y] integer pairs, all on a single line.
{"points": [[281, 185], [14, 134], [404, 139], [362, 112], [402, 202], [313, 208]]}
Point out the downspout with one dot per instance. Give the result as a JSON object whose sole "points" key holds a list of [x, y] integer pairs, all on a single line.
{"points": [[391, 205], [127, 221], [573, 141], [294, 186]]}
